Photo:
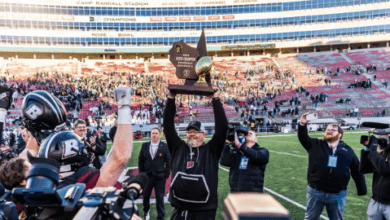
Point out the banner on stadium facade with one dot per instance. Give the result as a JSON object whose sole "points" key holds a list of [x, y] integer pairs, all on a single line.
{"points": [[112, 19], [214, 18], [200, 18], [248, 47], [170, 19], [145, 3], [67, 18], [227, 17], [156, 19], [108, 34], [52, 17], [115, 19], [161, 19], [185, 33], [185, 19]]}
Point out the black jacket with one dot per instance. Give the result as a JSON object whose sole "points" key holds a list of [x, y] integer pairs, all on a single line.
{"points": [[100, 150], [112, 133], [160, 166], [103, 139], [195, 188], [12, 140], [327, 179], [373, 162], [250, 179]]}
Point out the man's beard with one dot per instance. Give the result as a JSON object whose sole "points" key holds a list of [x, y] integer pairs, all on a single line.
{"points": [[192, 143], [330, 139]]}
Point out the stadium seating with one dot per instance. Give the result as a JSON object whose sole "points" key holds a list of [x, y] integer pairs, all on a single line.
{"points": [[380, 58], [329, 60], [303, 67]]}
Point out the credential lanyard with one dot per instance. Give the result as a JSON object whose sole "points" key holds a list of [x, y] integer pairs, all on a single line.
{"points": [[332, 161]]}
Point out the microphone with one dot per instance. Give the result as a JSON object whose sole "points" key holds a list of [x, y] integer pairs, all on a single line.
{"points": [[375, 125], [136, 186]]}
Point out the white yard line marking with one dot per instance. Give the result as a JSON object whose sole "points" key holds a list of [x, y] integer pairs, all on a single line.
{"points": [[282, 135], [285, 153], [282, 197], [317, 133]]}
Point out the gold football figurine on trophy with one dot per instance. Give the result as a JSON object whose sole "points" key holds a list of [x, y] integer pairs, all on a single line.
{"points": [[203, 67]]}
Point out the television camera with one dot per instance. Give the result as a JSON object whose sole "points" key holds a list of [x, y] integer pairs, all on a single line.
{"points": [[242, 131], [380, 129], [45, 201], [7, 209]]}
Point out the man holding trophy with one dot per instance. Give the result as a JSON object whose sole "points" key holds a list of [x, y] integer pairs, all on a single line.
{"points": [[193, 192]]}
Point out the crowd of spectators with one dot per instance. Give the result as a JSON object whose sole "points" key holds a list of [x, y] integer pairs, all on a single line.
{"points": [[252, 90]]}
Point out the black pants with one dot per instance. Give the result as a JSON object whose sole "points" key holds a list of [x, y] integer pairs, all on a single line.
{"points": [[179, 214], [159, 187]]}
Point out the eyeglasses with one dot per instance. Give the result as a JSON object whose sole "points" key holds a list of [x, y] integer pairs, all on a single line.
{"points": [[193, 132], [331, 130]]}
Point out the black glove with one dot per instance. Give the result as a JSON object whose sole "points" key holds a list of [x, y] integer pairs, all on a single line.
{"points": [[373, 145], [5, 97]]}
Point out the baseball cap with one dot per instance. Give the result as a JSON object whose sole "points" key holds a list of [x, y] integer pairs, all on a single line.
{"points": [[197, 125]]}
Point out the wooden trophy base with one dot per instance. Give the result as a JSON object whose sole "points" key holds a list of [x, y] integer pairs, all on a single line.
{"points": [[195, 89]]}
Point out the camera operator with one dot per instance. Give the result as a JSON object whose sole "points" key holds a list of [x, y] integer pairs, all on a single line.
{"points": [[247, 162], [377, 163], [331, 162], [193, 192], [94, 146]]}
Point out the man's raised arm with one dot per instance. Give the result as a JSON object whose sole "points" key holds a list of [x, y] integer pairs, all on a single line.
{"points": [[221, 125], [302, 133], [123, 141], [169, 124]]}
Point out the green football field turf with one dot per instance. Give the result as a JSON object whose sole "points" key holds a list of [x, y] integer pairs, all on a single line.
{"points": [[285, 175]]}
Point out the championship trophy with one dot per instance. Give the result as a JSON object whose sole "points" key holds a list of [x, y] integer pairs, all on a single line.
{"points": [[194, 66]]}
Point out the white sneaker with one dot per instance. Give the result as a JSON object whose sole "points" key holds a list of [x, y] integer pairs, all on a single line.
{"points": [[147, 215]]}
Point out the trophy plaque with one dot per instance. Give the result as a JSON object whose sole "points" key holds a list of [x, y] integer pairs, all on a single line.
{"points": [[194, 66]]}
